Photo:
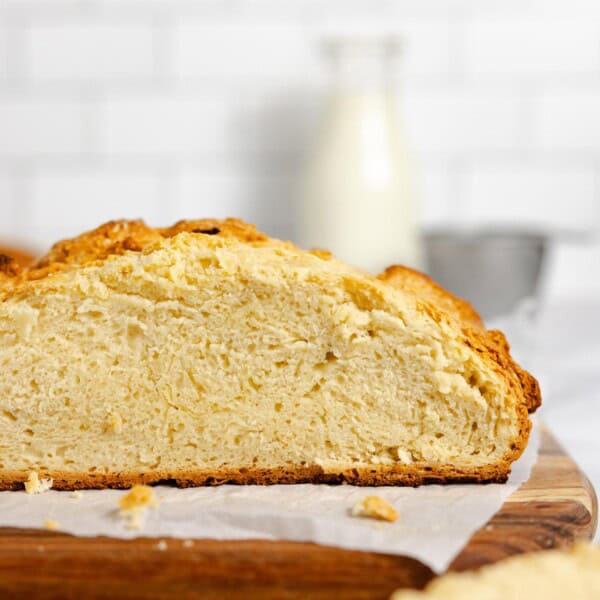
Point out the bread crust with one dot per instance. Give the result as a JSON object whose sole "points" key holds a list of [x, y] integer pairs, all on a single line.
{"points": [[405, 475], [118, 237], [20, 256], [422, 285]]}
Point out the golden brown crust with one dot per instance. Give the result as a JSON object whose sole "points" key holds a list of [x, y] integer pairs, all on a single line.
{"points": [[118, 237], [232, 228], [407, 475], [9, 266], [421, 285], [113, 239], [499, 346], [21, 257]]}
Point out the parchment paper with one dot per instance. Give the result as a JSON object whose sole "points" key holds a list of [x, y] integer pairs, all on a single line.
{"points": [[435, 521]]}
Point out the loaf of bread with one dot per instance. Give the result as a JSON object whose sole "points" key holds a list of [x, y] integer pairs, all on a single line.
{"points": [[548, 575], [208, 353]]}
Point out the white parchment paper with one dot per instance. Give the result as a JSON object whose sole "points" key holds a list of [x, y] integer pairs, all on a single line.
{"points": [[435, 521]]}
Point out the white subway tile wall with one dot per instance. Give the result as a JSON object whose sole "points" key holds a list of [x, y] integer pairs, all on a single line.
{"points": [[530, 196], [166, 110], [79, 50], [33, 126], [532, 47], [568, 119], [166, 125], [3, 49], [89, 196], [462, 121], [9, 204], [243, 50]]}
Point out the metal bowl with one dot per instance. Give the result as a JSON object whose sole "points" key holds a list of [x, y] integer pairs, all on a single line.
{"points": [[494, 270]]}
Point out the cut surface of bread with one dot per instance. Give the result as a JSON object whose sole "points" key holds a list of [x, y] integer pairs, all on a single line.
{"points": [[207, 353], [547, 575]]}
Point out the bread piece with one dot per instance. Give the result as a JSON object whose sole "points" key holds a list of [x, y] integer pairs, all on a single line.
{"points": [[35, 485], [547, 575], [375, 507], [51, 524], [207, 353], [135, 503]]}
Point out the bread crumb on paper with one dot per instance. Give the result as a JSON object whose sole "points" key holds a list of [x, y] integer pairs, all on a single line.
{"points": [[139, 496], [374, 507], [77, 495], [134, 504], [51, 524], [35, 485]]}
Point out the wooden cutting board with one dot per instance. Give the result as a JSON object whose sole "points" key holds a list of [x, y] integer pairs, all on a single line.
{"points": [[556, 507]]}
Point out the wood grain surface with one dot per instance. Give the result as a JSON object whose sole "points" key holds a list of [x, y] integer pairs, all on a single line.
{"points": [[556, 507]]}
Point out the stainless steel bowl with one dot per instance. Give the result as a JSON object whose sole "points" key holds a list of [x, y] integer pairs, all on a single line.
{"points": [[494, 270]]}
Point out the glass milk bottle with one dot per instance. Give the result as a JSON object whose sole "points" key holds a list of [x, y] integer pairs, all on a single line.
{"points": [[357, 196]]}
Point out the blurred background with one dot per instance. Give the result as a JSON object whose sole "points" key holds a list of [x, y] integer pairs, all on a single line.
{"points": [[166, 110], [180, 109]]}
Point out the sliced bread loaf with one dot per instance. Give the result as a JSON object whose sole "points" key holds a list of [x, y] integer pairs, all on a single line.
{"points": [[207, 353]]}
